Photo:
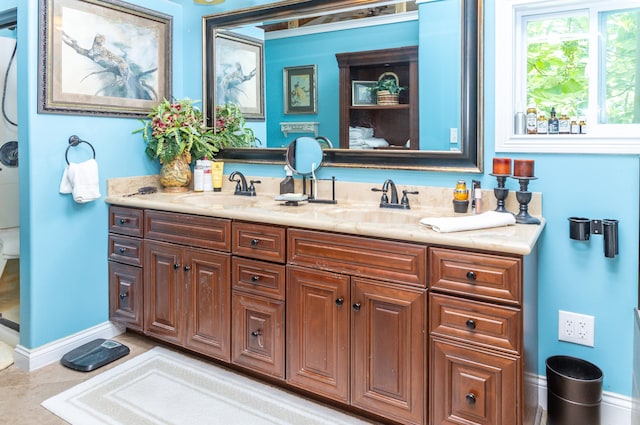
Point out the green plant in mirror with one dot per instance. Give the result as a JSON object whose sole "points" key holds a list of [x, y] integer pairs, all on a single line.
{"points": [[229, 127], [177, 128], [388, 83]]}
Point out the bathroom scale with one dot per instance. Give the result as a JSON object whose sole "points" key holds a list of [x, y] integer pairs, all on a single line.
{"points": [[94, 354]]}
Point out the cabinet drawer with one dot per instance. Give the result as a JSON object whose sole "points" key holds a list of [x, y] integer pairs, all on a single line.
{"points": [[126, 295], [259, 277], [398, 262], [124, 249], [126, 221], [262, 242], [186, 229], [477, 322], [491, 277], [472, 386]]}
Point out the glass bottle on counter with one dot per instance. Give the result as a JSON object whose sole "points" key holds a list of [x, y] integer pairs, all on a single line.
{"points": [[553, 122], [575, 127], [543, 124], [532, 117], [583, 126], [564, 125]]}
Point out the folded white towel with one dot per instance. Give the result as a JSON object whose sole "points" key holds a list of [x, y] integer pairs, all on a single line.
{"points": [[471, 222], [81, 180], [376, 142]]}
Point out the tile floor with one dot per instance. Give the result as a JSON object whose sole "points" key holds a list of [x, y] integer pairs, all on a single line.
{"points": [[21, 392]]}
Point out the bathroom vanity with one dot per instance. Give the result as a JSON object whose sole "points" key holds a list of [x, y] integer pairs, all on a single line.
{"points": [[388, 320]]}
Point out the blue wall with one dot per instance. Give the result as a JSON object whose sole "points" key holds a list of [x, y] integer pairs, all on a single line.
{"points": [[64, 245]]}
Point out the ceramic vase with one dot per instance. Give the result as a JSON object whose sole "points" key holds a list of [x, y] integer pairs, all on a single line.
{"points": [[175, 176]]}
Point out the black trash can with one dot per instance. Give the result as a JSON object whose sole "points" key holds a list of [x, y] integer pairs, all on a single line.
{"points": [[574, 391]]}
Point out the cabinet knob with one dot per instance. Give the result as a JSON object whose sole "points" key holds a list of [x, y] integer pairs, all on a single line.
{"points": [[122, 250], [255, 278], [356, 306], [340, 301], [256, 332], [254, 242], [471, 324], [471, 275], [187, 268], [123, 295], [176, 266], [124, 220], [471, 398]]}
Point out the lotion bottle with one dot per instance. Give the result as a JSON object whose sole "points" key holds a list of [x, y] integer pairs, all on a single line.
{"points": [[287, 185], [207, 184], [198, 177]]}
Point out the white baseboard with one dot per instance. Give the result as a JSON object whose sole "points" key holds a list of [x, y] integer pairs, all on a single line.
{"points": [[32, 359], [615, 409]]}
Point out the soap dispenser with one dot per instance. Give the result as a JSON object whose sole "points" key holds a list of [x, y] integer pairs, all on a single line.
{"points": [[287, 185]]}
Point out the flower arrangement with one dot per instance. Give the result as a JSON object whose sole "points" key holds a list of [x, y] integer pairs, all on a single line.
{"points": [[177, 128]]}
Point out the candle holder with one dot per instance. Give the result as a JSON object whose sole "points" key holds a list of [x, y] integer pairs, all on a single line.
{"points": [[501, 192], [524, 197]]}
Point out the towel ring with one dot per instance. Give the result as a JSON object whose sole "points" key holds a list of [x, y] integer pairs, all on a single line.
{"points": [[75, 141]]}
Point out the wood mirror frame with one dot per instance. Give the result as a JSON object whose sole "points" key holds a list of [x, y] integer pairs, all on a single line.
{"points": [[470, 157]]}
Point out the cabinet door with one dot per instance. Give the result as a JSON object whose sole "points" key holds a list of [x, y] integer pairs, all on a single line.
{"points": [[472, 386], [389, 347], [163, 291], [258, 333], [125, 295], [207, 301], [318, 332]]}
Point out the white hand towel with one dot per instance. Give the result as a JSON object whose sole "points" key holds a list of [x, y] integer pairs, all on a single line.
{"points": [[82, 181], [471, 222]]}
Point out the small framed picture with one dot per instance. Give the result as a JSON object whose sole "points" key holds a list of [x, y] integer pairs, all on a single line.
{"points": [[362, 93], [300, 91]]}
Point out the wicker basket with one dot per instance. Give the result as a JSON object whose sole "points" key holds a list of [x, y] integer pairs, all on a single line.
{"points": [[384, 97]]}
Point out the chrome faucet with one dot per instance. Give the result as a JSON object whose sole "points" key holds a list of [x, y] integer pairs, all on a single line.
{"points": [[241, 184], [384, 200]]}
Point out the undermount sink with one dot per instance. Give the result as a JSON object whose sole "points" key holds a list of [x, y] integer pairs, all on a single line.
{"points": [[381, 215], [218, 200]]}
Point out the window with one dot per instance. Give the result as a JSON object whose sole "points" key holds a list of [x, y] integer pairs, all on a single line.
{"points": [[580, 58]]}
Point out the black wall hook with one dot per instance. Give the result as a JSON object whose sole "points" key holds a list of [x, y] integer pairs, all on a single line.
{"points": [[580, 229], [75, 141]]}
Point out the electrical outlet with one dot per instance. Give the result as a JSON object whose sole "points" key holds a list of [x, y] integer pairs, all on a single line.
{"points": [[453, 135], [576, 328]]}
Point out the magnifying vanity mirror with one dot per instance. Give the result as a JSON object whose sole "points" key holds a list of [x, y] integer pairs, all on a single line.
{"points": [[340, 48], [304, 155]]}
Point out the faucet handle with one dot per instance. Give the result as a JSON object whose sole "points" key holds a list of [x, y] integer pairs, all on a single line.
{"points": [[384, 199], [252, 188], [405, 198]]}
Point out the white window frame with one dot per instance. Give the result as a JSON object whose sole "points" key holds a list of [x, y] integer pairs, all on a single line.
{"points": [[509, 86]]}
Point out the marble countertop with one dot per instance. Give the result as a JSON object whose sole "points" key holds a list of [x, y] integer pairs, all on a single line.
{"points": [[357, 212]]}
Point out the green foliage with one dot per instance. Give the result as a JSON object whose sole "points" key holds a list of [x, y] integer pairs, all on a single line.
{"points": [[176, 128], [557, 56], [389, 84]]}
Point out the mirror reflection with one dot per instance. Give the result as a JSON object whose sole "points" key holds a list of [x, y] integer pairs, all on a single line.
{"points": [[323, 74]]}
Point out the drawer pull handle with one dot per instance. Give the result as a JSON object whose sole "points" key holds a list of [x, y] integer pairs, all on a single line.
{"points": [[124, 220], [471, 324], [176, 266], [254, 242], [123, 295], [356, 306], [122, 250], [340, 301], [256, 332], [471, 275], [254, 279], [471, 398], [187, 268]]}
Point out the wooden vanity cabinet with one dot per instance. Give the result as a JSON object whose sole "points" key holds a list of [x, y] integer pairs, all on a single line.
{"points": [[483, 365], [352, 336], [126, 255], [187, 291], [258, 298]]}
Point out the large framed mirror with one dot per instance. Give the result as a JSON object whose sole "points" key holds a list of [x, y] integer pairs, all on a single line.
{"points": [[445, 80]]}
